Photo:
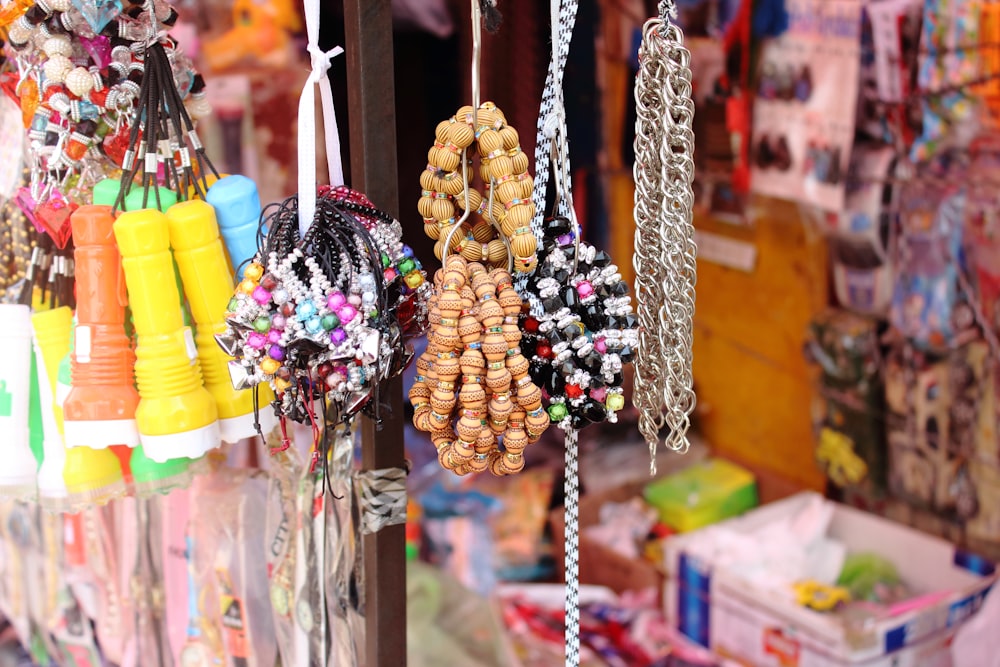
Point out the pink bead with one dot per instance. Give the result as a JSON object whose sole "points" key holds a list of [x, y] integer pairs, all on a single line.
{"points": [[273, 336], [261, 295], [390, 274], [335, 301], [585, 289], [599, 394], [278, 321], [600, 345], [256, 341], [346, 313], [354, 300]]}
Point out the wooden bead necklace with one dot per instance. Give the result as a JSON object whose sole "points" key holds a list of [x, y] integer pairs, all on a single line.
{"points": [[474, 341], [446, 187]]}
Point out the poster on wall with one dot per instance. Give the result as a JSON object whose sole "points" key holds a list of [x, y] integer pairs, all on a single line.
{"points": [[806, 103]]}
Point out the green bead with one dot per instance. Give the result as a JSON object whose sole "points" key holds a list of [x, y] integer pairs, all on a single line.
{"points": [[557, 412], [233, 303], [262, 324], [330, 322], [406, 266], [386, 261], [615, 402]]}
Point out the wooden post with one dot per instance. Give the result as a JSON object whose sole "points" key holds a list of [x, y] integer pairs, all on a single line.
{"points": [[372, 119]]}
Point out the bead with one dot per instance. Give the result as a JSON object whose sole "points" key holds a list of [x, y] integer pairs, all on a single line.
{"points": [[573, 391], [256, 341], [79, 82], [269, 366], [557, 412], [233, 304], [261, 295], [57, 68], [274, 336], [347, 313], [262, 324], [254, 271], [58, 45], [247, 286], [280, 296], [275, 352], [585, 289], [414, 280], [305, 310], [338, 336], [615, 402], [278, 321], [329, 322]]}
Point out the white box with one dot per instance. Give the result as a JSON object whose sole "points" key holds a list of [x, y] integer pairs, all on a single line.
{"points": [[717, 608]]}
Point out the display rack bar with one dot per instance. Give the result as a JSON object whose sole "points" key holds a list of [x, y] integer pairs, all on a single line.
{"points": [[372, 120]]}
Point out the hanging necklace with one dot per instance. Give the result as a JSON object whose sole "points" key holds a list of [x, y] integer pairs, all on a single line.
{"points": [[665, 251]]}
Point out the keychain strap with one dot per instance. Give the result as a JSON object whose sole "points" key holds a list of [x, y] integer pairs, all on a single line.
{"points": [[307, 121]]}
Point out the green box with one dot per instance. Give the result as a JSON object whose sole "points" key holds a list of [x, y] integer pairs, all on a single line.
{"points": [[703, 494]]}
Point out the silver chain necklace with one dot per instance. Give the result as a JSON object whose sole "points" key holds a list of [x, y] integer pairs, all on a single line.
{"points": [[665, 251]]}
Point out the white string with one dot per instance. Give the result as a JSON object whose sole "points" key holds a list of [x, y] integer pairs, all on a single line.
{"points": [[320, 61], [553, 144]]}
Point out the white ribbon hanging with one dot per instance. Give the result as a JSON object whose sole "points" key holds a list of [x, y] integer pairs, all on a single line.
{"points": [[307, 121]]}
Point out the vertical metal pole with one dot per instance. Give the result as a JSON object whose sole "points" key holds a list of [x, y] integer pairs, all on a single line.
{"points": [[371, 110]]}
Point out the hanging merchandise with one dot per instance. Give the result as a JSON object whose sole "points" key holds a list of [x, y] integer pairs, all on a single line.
{"points": [[861, 240], [803, 114], [80, 68], [208, 286], [580, 327], [665, 250], [331, 306], [947, 72], [508, 205], [474, 310], [929, 305]]}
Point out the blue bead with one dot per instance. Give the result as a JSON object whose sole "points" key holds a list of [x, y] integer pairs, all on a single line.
{"points": [[314, 325], [305, 310], [407, 251]]}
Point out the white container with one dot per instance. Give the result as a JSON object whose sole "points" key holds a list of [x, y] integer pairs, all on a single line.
{"points": [[17, 474], [717, 606]]}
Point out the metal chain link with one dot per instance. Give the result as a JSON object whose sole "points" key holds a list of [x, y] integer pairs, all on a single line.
{"points": [[665, 250]]}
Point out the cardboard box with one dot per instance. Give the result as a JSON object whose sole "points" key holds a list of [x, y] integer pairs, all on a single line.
{"points": [[600, 565], [718, 609]]}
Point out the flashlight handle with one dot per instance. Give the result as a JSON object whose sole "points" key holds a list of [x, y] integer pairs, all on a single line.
{"points": [[237, 208]]}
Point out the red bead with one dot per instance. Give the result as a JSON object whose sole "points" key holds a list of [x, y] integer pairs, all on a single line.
{"points": [[324, 369], [288, 309], [99, 97], [544, 351], [268, 282], [574, 391], [531, 325]]}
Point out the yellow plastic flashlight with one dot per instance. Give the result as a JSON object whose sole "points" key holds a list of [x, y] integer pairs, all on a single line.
{"points": [[208, 285], [177, 417]]}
